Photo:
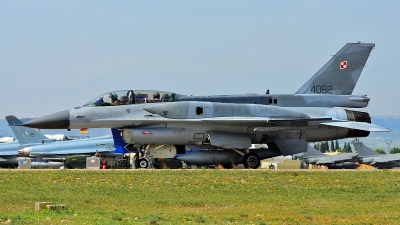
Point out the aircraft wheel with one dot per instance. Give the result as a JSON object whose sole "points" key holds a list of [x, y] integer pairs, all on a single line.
{"points": [[271, 167], [143, 163], [251, 160]]}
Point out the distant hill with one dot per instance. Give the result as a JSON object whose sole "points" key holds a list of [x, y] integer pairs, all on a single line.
{"points": [[374, 140]]}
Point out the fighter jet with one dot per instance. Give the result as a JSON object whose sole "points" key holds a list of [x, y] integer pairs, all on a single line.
{"points": [[34, 144], [233, 122], [9, 154], [340, 161], [286, 130], [9, 158], [369, 156]]}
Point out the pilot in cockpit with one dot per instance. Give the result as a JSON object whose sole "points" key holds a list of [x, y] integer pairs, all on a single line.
{"points": [[114, 99], [156, 97]]}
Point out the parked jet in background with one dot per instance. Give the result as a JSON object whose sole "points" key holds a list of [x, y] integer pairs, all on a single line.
{"points": [[34, 144], [9, 154], [339, 161], [369, 156], [284, 122], [9, 158]]}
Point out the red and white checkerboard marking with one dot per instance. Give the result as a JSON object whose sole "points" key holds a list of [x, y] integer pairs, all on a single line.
{"points": [[343, 65]]}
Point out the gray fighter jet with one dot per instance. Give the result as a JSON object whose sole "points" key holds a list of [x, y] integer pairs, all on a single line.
{"points": [[233, 122], [369, 156], [285, 130], [340, 161]]}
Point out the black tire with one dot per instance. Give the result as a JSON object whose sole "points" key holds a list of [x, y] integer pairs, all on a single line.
{"points": [[143, 163], [251, 161], [271, 167]]}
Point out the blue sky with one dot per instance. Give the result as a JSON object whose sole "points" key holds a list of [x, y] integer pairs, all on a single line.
{"points": [[55, 55]]}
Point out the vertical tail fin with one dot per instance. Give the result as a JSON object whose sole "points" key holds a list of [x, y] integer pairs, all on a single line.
{"points": [[363, 150], [25, 135], [312, 152], [340, 74], [119, 143]]}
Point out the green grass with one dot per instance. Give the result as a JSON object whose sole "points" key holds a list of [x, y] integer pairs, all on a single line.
{"points": [[201, 196]]}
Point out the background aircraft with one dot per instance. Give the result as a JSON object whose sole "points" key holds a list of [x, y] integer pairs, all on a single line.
{"points": [[339, 161], [9, 158], [369, 156], [34, 144], [9, 154]]}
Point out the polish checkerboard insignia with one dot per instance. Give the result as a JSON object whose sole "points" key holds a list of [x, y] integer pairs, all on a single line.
{"points": [[343, 65]]}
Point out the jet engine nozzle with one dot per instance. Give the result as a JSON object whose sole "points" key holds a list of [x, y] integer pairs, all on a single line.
{"points": [[24, 152], [358, 117]]}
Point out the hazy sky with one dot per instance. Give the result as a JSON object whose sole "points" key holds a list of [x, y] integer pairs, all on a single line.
{"points": [[55, 55]]}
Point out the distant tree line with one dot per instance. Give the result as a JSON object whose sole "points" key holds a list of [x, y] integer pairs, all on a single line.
{"points": [[324, 146], [394, 150]]}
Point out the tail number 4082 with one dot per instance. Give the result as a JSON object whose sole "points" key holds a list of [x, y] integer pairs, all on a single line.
{"points": [[321, 89]]}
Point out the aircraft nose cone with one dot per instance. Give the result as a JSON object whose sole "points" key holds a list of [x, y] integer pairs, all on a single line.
{"points": [[59, 120]]}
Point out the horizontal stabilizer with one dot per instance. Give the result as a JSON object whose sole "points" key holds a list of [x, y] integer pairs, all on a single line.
{"points": [[357, 126]]}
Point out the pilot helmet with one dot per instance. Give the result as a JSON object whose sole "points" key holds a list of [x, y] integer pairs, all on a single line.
{"points": [[156, 95], [113, 96]]}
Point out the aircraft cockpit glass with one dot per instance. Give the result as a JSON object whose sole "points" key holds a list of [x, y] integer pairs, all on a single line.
{"points": [[127, 97]]}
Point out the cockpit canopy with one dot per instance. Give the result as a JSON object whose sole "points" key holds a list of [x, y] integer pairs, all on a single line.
{"points": [[127, 97]]}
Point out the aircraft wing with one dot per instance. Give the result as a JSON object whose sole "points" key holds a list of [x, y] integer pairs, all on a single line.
{"points": [[254, 121], [228, 121], [356, 125]]}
